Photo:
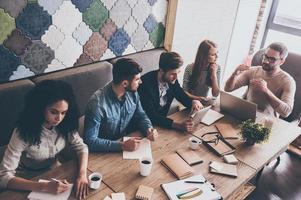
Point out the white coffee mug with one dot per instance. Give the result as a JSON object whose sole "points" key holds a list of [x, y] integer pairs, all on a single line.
{"points": [[145, 166], [95, 180], [194, 143]]}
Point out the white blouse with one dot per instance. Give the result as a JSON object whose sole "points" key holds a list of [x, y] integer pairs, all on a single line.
{"points": [[36, 157]]}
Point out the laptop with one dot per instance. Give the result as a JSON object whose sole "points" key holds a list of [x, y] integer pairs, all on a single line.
{"points": [[237, 107], [199, 115]]}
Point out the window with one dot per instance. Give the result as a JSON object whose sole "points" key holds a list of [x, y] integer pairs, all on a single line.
{"points": [[284, 25]]}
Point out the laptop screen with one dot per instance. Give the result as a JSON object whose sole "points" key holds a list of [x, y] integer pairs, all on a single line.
{"points": [[237, 107]]}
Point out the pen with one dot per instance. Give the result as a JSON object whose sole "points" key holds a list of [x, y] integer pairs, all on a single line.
{"points": [[201, 182], [186, 191], [54, 179]]}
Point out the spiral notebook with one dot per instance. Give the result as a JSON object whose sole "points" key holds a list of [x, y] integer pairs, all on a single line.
{"points": [[144, 192], [179, 189]]}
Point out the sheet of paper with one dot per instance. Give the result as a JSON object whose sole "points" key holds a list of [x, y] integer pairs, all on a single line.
{"points": [[44, 195], [211, 117], [144, 150], [118, 196], [107, 198]]}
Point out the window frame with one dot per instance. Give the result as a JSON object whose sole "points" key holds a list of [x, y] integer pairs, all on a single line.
{"points": [[277, 27]]}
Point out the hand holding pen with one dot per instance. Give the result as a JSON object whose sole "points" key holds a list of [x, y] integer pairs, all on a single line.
{"points": [[57, 186]]}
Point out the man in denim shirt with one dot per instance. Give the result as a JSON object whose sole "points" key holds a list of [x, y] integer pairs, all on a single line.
{"points": [[111, 109]]}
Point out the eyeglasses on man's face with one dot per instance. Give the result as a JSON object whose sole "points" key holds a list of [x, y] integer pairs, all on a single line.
{"points": [[270, 59]]}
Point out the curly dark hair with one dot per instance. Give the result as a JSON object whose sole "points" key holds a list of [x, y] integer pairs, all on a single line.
{"points": [[42, 95]]}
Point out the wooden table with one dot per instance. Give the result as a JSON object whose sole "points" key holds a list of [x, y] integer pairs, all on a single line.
{"points": [[123, 175], [66, 171]]}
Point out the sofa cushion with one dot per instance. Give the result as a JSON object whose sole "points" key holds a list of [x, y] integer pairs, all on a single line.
{"points": [[11, 104], [148, 60], [85, 80]]}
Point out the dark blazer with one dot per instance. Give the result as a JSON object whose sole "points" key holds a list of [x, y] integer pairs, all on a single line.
{"points": [[149, 96]]}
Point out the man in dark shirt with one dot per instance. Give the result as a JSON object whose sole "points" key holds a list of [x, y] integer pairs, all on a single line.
{"points": [[160, 87]]}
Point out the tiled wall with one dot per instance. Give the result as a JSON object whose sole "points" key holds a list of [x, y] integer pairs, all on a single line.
{"points": [[40, 36]]}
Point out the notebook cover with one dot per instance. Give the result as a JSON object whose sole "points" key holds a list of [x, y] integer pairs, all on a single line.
{"points": [[144, 192], [177, 166], [190, 157], [227, 169]]}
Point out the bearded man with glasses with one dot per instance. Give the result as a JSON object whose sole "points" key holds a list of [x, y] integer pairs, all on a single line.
{"points": [[271, 88]]}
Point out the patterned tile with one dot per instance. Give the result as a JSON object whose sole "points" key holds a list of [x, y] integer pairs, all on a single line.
{"points": [[13, 8], [130, 49], [37, 57], [50, 6], [70, 15], [120, 13], [53, 37], [139, 39], [108, 29], [96, 46], [82, 5], [21, 72], [8, 62], [157, 36], [119, 42], [131, 26], [68, 51], [82, 60], [149, 45], [96, 15], [7, 25], [159, 10], [132, 3], [141, 11], [108, 3], [152, 2], [33, 21], [17, 42], [107, 55], [150, 23], [82, 33], [54, 66]]}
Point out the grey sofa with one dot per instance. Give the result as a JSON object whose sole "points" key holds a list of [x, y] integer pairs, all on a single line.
{"points": [[85, 80]]}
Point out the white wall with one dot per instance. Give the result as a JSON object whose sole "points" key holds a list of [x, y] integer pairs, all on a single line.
{"points": [[200, 19]]}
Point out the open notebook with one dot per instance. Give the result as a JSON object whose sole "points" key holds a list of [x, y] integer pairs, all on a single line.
{"points": [[44, 195], [180, 189]]}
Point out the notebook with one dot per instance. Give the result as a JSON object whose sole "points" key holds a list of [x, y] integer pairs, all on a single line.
{"points": [[118, 196], [177, 166], [223, 168], [144, 192], [211, 117], [228, 130], [44, 195], [197, 116], [190, 157], [202, 190], [144, 150]]}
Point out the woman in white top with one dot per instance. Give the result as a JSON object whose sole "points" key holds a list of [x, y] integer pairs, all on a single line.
{"points": [[204, 73], [48, 121]]}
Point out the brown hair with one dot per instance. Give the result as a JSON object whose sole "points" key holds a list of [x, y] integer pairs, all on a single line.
{"points": [[170, 61], [200, 62]]}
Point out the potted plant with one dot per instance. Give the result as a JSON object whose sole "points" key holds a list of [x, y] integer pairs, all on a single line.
{"points": [[253, 132]]}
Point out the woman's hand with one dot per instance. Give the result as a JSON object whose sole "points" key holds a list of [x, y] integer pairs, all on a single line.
{"points": [[56, 187], [81, 187]]}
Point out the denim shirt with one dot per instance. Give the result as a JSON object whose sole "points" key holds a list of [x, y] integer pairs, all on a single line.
{"points": [[107, 118]]}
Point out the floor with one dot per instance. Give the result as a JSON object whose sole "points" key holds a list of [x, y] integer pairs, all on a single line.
{"points": [[281, 181]]}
